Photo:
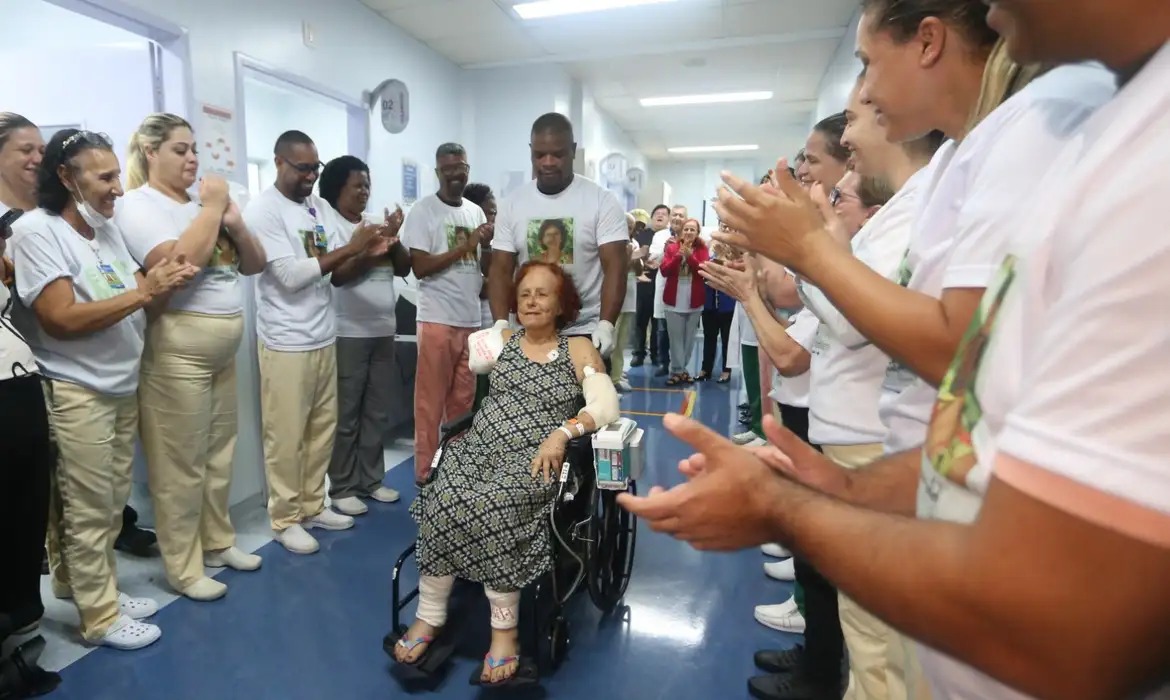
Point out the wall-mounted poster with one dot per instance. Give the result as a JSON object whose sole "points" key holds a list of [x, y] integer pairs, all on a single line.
{"points": [[409, 182], [217, 140]]}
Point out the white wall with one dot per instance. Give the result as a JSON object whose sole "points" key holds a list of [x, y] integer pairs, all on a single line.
{"points": [[52, 90], [694, 181], [499, 106], [840, 76]]}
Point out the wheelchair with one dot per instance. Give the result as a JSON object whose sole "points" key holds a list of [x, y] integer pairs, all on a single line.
{"points": [[593, 542]]}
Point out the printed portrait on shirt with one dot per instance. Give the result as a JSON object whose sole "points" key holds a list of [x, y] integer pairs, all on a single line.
{"points": [[314, 242], [949, 445], [458, 236], [551, 240], [225, 257]]}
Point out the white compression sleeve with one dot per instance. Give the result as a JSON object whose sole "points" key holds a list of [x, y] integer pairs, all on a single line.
{"points": [[294, 275], [433, 594], [601, 399], [505, 608]]}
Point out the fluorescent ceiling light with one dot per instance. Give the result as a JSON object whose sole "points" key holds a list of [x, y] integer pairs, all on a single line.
{"points": [[712, 149], [556, 8], [716, 98]]}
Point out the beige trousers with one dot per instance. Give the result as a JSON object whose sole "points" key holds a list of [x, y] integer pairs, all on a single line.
{"points": [[187, 421], [90, 487], [621, 338], [882, 663], [298, 405]]}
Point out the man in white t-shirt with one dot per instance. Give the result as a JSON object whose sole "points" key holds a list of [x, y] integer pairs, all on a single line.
{"points": [[443, 232], [662, 238], [1045, 454], [566, 219], [296, 326]]}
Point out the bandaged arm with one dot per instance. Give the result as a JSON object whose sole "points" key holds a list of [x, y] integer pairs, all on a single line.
{"points": [[601, 398]]}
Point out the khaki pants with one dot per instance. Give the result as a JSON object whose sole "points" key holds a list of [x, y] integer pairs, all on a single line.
{"points": [[298, 405], [621, 338], [187, 406], [882, 664], [90, 486]]}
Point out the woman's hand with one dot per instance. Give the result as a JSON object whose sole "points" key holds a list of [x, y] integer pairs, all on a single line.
{"points": [[232, 220], [213, 192], [780, 221], [393, 222], [550, 456], [167, 276], [740, 284]]}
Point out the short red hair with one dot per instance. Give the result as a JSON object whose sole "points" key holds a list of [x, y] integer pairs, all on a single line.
{"points": [[567, 294]]}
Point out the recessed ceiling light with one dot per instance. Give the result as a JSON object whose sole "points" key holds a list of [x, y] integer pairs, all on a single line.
{"points": [[556, 8], [712, 149], [714, 98]]}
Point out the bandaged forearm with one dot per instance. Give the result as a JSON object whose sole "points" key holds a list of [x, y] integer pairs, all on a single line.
{"points": [[484, 348], [294, 275], [601, 399]]}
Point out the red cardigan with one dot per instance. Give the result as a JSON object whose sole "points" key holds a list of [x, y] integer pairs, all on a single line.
{"points": [[672, 263]]}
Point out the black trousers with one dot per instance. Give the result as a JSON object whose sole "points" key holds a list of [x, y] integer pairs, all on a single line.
{"points": [[716, 327], [661, 341], [824, 644], [643, 314], [24, 496]]}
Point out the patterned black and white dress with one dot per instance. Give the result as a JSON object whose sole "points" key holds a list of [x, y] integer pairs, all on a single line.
{"points": [[485, 517]]}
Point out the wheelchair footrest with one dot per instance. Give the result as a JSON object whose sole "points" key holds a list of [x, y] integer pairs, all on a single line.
{"points": [[526, 675]]}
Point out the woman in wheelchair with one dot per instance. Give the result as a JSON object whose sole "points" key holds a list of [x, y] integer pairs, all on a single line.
{"points": [[484, 516]]}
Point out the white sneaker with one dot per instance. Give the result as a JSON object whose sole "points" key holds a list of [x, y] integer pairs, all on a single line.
{"points": [[127, 633], [330, 520], [136, 608], [784, 617], [781, 570], [232, 558], [775, 550], [624, 386], [385, 494], [748, 439], [205, 589], [351, 505], [296, 540]]}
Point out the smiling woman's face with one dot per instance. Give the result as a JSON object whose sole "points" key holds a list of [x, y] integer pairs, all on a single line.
{"points": [[21, 156], [537, 301], [690, 232]]}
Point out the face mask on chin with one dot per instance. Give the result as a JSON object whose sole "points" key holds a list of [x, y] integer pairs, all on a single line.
{"points": [[92, 217]]}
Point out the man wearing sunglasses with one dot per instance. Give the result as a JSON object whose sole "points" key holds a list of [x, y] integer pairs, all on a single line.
{"points": [[296, 329]]}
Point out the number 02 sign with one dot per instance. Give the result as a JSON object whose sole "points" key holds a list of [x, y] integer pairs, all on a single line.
{"points": [[392, 100]]}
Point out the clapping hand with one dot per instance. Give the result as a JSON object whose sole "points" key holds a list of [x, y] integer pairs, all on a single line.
{"points": [[779, 221], [737, 282], [167, 276]]}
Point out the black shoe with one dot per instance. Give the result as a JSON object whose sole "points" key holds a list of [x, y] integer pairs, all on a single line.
{"points": [[661, 371], [637, 362], [21, 677], [790, 686], [782, 661]]}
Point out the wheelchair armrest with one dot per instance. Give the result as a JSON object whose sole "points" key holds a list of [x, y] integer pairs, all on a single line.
{"points": [[452, 428], [585, 442]]}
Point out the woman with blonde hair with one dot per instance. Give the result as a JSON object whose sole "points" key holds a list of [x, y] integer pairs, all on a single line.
{"points": [[187, 394]]}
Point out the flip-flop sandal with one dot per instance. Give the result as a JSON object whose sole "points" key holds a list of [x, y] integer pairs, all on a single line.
{"points": [[525, 675], [723, 378], [703, 376], [674, 380], [432, 659]]}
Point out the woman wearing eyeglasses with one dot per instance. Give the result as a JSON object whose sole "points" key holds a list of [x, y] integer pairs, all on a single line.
{"points": [[86, 296], [187, 396]]}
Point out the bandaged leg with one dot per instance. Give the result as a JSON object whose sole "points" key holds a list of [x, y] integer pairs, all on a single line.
{"points": [[433, 594], [505, 608]]}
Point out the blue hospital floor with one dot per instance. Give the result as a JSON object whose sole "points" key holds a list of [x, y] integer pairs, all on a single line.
{"points": [[311, 627]]}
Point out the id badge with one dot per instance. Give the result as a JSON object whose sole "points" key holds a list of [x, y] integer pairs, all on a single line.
{"points": [[319, 238], [111, 276]]}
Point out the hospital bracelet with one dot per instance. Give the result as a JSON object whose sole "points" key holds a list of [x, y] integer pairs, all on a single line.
{"points": [[566, 431]]}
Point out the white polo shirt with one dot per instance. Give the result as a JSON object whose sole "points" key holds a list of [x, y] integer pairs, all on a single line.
{"points": [[968, 217], [1063, 373]]}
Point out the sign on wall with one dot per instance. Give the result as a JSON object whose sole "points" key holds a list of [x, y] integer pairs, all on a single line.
{"points": [[392, 100], [410, 187], [216, 134]]}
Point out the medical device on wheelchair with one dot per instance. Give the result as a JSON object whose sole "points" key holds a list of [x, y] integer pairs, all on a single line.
{"points": [[617, 454]]}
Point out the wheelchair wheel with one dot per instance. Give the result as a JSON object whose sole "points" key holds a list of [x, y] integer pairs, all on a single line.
{"points": [[612, 535], [558, 641]]}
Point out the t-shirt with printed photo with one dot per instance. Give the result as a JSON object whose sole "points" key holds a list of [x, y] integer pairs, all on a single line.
{"points": [[567, 228], [450, 297]]}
